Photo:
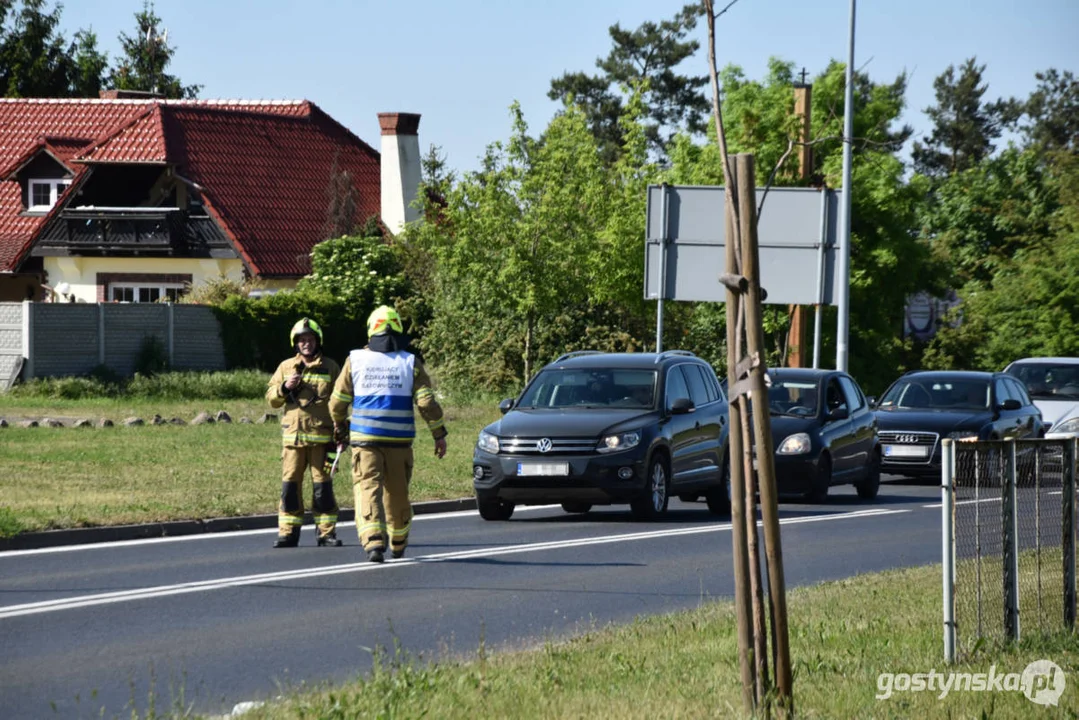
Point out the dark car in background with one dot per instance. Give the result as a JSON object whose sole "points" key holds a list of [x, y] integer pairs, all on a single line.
{"points": [[1053, 385], [922, 408], [607, 428], [824, 433]]}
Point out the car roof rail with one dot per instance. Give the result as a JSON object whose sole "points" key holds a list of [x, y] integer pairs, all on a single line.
{"points": [[669, 353], [577, 353]]}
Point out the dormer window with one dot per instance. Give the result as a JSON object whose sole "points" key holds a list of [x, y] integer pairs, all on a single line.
{"points": [[43, 193]]}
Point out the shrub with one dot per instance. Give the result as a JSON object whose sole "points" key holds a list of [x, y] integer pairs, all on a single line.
{"points": [[152, 357], [255, 331], [231, 385]]}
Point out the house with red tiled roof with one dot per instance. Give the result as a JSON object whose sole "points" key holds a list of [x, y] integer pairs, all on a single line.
{"points": [[137, 199]]}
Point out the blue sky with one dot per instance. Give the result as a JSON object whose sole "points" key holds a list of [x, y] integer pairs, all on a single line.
{"points": [[461, 63]]}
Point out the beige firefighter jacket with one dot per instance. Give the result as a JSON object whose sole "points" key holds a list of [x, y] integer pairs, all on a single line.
{"points": [[307, 418]]}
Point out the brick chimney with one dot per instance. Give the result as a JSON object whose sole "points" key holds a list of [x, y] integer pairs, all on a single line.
{"points": [[400, 168]]}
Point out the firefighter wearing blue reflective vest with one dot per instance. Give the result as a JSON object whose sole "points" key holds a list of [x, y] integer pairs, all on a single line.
{"points": [[302, 384], [372, 409]]}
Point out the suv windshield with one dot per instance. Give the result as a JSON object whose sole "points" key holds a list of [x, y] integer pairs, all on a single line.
{"points": [[591, 387], [793, 397], [1049, 381], [937, 394]]}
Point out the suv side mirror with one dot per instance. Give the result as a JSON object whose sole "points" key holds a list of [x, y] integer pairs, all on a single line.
{"points": [[840, 413], [872, 400], [681, 406], [1011, 404], [505, 406]]}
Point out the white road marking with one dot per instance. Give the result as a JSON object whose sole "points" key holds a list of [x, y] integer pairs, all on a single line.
{"points": [[365, 566], [230, 534], [985, 500]]}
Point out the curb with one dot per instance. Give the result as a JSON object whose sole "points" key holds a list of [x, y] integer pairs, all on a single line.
{"points": [[82, 536]]}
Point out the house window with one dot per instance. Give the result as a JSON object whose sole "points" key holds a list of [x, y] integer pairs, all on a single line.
{"points": [[145, 292], [43, 193]]}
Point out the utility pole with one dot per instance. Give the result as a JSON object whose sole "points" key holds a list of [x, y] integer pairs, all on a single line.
{"points": [[803, 99], [843, 264]]}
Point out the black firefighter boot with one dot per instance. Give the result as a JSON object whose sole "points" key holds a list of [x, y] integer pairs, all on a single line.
{"points": [[329, 540], [288, 541]]}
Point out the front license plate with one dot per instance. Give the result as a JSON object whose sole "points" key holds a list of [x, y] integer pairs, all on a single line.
{"points": [[917, 451], [526, 469]]}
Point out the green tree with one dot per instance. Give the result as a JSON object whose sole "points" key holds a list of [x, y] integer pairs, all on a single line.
{"points": [[90, 65], [360, 270], [964, 125], [888, 261], [536, 253], [35, 59], [1026, 301], [978, 219], [145, 59], [645, 58], [1052, 111]]}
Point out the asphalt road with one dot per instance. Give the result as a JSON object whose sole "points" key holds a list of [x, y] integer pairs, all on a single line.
{"points": [[209, 621]]}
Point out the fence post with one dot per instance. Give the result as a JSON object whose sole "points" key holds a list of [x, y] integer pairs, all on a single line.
{"points": [[1071, 450], [947, 534], [101, 333], [28, 339], [1009, 527], [171, 324]]}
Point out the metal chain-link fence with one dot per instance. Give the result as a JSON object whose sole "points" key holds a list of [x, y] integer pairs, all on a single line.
{"points": [[1013, 524]]}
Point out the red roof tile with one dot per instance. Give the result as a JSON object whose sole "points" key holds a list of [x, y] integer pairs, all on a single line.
{"points": [[140, 140], [267, 178], [264, 165]]}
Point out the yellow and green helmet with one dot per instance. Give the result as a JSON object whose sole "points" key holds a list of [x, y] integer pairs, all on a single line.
{"points": [[383, 320], [307, 325]]}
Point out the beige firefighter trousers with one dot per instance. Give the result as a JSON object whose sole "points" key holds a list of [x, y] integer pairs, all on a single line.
{"points": [[380, 478], [294, 464]]}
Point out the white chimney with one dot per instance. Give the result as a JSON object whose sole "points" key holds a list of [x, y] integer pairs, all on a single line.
{"points": [[400, 168]]}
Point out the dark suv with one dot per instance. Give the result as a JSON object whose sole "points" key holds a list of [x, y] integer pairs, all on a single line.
{"points": [[605, 428]]}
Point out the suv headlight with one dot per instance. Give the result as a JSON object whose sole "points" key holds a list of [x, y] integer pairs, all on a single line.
{"points": [[487, 442], [1068, 426], [617, 443], [796, 444], [963, 435]]}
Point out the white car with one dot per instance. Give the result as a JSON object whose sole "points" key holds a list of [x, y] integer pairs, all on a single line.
{"points": [[1053, 385]]}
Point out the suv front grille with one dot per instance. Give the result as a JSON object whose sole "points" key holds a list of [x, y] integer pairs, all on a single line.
{"points": [[559, 446]]}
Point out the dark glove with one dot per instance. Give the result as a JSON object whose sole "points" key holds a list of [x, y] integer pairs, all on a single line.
{"points": [[340, 433]]}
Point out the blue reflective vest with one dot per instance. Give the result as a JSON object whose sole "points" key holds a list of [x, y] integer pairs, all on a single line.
{"points": [[382, 397]]}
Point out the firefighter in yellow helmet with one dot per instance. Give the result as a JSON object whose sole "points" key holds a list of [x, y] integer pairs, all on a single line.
{"points": [[303, 384], [372, 409]]}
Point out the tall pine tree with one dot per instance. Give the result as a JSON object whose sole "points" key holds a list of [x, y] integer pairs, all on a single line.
{"points": [[146, 57], [964, 125], [672, 101]]}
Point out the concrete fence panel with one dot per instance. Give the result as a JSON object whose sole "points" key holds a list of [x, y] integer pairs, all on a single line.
{"points": [[58, 339], [64, 339], [126, 329], [196, 339], [10, 341]]}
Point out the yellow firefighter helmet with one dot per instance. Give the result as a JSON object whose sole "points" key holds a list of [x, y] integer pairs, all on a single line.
{"points": [[307, 325], [383, 320]]}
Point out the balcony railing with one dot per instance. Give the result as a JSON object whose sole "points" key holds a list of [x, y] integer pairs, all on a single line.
{"points": [[140, 230]]}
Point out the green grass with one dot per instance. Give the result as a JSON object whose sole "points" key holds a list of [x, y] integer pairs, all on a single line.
{"points": [[843, 635], [84, 477], [234, 384]]}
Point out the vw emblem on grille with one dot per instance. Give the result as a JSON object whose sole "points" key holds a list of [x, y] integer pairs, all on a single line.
{"points": [[544, 445]]}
